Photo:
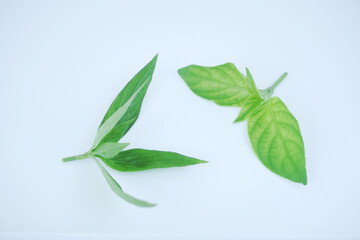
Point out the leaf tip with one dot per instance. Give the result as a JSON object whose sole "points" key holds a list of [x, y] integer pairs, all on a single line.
{"points": [[181, 71], [154, 60], [304, 177], [146, 205], [239, 118], [248, 72], [304, 181], [202, 161], [152, 205]]}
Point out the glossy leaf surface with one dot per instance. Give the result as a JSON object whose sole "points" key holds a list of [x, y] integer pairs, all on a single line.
{"points": [[125, 109], [142, 159]]}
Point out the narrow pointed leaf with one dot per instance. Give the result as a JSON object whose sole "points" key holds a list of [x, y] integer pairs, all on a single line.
{"points": [[125, 109], [248, 108], [119, 129], [141, 159], [250, 83], [276, 139], [119, 118], [223, 84], [110, 149], [118, 190]]}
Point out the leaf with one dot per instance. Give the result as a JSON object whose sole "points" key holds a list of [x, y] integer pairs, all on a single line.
{"points": [[223, 84], [248, 108], [118, 190], [110, 149], [141, 159], [125, 109], [119, 130], [276, 139], [250, 84], [119, 118]]}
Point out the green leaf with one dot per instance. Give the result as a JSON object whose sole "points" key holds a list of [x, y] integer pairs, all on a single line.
{"points": [[110, 149], [125, 109], [141, 159], [118, 190], [119, 118], [119, 130], [248, 108], [276, 139], [223, 84], [250, 84]]}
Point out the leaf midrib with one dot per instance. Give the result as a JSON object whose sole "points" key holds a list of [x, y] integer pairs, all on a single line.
{"points": [[281, 137], [110, 120], [234, 81], [147, 75]]}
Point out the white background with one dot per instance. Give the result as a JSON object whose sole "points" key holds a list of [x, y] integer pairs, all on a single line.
{"points": [[63, 62]]}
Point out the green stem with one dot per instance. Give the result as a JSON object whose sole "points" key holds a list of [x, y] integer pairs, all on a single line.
{"points": [[267, 93], [279, 80], [78, 157]]}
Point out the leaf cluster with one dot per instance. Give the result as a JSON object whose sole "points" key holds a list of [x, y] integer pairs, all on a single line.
{"points": [[273, 131], [118, 120]]}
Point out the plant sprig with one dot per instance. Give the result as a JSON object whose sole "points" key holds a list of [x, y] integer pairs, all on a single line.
{"points": [[273, 131], [118, 120]]}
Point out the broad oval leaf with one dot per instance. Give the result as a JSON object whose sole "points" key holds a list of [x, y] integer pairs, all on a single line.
{"points": [[110, 149], [118, 190], [223, 84], [125, 109], [141, 159], [276, 139]]}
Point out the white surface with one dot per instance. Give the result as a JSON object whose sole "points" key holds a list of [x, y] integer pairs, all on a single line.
{"points": [[63, 62]]}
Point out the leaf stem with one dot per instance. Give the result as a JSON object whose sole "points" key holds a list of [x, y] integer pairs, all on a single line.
{"points": [[279, 80], [267, 93], [78, 157]]}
